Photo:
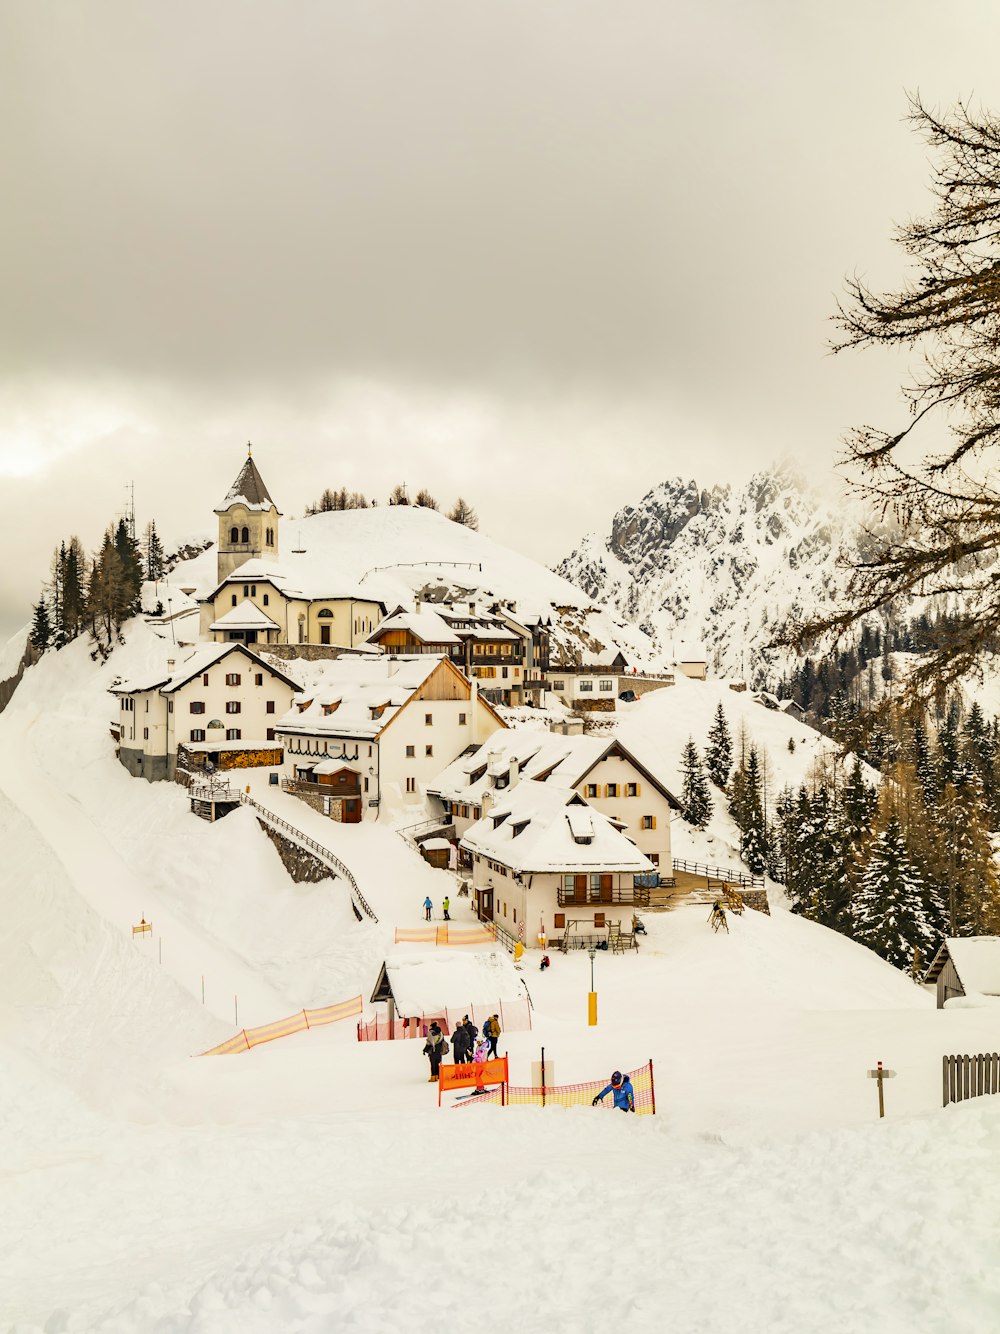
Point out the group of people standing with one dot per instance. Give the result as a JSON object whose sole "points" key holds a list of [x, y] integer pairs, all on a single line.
{"points": [[429, 908], [464, 1044]]}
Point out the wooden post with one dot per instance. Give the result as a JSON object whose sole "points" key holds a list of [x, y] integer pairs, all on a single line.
{"points": [[652, 1084]]}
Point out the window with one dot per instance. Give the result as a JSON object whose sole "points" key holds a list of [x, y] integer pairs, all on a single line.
{"points": [[232, 679], [197, 734], [258, 679], [234, 599], [410, 752], [583, 686], [611, 790], [269, 538], [649, 822], [558, 685], [233, 734], [270, 734], [246, 590], [592, 790], [147, 705], [170, 706], [234, 535], [204, 679], [462, 719], [607, 683], [145, 734], [504, 670], [245, 535], [428, 719], [197, 706], [598, 919], [265, 595], [253, 590], [269, 706], [631, 789], [233, 706], [428, 750], [411, 785]]}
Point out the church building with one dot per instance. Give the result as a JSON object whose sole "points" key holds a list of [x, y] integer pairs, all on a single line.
{"points": [[260, 600]]}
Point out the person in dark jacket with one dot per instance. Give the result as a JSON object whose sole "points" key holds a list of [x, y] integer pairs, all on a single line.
{"points": [[621, 1087], [460, 1044], [434, 1050], [473, 1031]]}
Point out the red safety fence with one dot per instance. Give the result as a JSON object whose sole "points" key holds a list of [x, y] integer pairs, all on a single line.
{"points": [[574, 1095], [514, 1016], [282, 1028], [445, 935]]}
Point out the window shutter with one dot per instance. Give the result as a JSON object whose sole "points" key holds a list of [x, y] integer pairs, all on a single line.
{"points": [[607, 789], [638, 789], [652, 822]]}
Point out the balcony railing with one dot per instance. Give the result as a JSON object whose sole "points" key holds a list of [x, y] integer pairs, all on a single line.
{"points": [[595, 897]]}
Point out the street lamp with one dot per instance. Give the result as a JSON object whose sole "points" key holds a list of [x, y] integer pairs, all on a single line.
{"points": [[592, 998]]}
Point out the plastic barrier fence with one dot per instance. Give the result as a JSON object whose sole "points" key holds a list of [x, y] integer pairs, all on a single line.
{"points": [[473, 1078], [514, 1016], [282, 1028], [444, 935], [575, 1095]]}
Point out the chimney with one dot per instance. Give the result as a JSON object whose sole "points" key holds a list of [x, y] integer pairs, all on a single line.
{"points": [[514, 772]]}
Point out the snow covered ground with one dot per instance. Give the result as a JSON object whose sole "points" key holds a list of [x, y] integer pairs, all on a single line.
{"points": [[313, 1184]]}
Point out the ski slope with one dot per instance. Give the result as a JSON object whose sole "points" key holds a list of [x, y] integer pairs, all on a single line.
{"points": [[313, 1184]]}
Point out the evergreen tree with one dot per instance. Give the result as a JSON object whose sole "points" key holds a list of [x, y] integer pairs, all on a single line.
{"points": [[73, 599], [131, 571], [41, 629], [153, 552], [719, 751], [696, 800], [859, 803], [753, 827], [948, 745], [890, 913]]}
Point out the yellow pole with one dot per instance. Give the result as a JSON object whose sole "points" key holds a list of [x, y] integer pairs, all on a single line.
{"points": [[592, 1009]]}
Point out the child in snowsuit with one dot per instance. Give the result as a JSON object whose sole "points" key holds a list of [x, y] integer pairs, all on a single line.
{"points": [[621, 1087], [446, 905], [434, 1049], [546, 961], [491, 1031]]}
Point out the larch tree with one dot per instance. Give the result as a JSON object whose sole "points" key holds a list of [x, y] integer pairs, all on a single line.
{"points": [[933, 476], [463, 513]]}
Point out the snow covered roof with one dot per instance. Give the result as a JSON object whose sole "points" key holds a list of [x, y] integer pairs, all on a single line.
{"points": [[200, 660], [245, 616], [432, 981], [539, 754], [426, 625], [294, 581], [248, 490], [540, 827], [976, 960], [356, 697]]}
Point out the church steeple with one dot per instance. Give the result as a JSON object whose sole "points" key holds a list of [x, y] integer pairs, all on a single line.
{"points": [[248, 521]]}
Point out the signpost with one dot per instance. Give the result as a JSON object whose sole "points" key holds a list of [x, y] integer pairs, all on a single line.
{"points": [[880, 1074], [143, 929]]}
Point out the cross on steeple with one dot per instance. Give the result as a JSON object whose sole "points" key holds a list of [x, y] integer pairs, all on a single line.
{"points": [[249, 449]]}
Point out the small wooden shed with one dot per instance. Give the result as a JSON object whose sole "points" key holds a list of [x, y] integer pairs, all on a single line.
{"points": [[966, 966]]}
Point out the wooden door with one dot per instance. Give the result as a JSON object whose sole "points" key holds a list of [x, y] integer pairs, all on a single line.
{"points": [[579, 889], [352, 810], [606, 888], [486, 905], [324, 634]]}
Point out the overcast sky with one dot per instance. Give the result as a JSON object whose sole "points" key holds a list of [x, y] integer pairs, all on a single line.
{"points": [[541, 254]]}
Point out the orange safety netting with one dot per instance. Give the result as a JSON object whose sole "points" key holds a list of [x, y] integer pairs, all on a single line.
{"points": [[575, 1095], [473, 1076], [444, 935], [283, 1028], [514, 1017]]}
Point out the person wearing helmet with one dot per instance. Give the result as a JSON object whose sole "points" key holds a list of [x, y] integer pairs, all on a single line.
{"points": [[621, 1087]]}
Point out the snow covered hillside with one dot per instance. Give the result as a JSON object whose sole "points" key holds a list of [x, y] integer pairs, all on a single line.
{"points": [[313, 1184], [724, 567]]}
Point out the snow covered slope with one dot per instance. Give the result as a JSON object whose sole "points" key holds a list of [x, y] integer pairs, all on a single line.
{"points": [[313, 1184], [725, 567]]}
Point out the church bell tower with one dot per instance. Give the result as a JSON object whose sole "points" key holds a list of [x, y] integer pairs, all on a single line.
{"points": [[248, 522]]}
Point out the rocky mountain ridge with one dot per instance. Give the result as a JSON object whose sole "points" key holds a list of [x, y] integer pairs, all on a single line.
{"points": [[725, 566]]}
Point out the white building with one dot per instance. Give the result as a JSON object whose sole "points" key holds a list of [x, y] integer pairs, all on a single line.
{"points": [[544, 863], [220, 703], [379, 729], [601, 770]]}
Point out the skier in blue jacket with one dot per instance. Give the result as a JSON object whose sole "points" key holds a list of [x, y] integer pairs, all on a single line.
{"points": [[621, 1087]]}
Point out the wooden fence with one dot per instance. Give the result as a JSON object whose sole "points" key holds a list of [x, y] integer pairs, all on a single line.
{"points": [[970, 1076]]}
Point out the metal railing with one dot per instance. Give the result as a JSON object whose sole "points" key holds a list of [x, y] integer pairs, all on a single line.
{"points": [[303, 840], [205, 792], [722, 874]]}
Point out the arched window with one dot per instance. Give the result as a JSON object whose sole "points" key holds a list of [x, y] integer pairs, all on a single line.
{"points": [[234, 535], [325, 612], [270, 537], [245, 535]]}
